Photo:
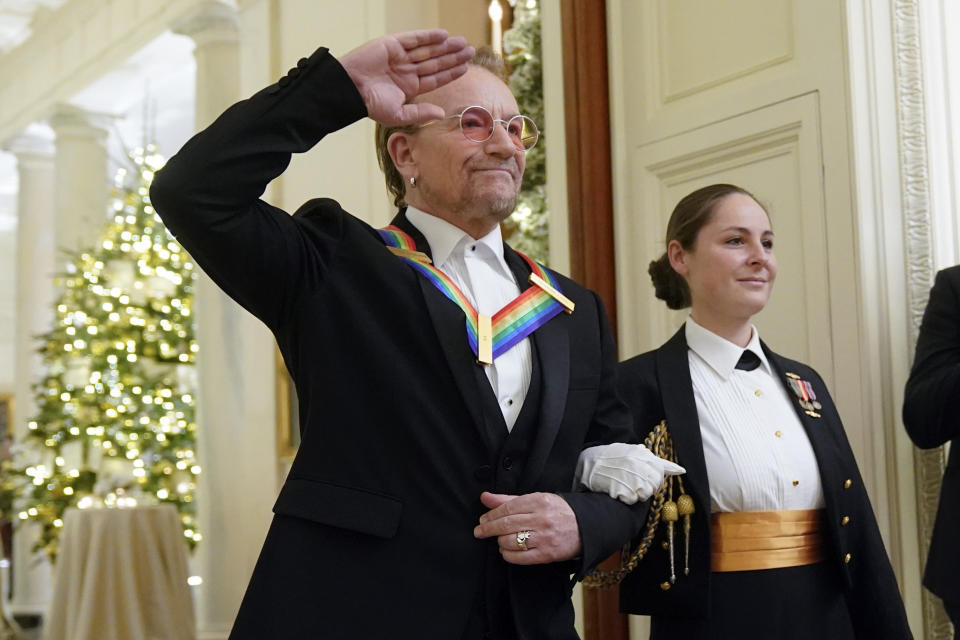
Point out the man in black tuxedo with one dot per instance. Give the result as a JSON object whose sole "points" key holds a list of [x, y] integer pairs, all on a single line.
{"points": [[431, 494], [931, 413]]}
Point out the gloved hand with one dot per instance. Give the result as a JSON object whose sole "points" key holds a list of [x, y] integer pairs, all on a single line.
{"points": [[626, 472]]}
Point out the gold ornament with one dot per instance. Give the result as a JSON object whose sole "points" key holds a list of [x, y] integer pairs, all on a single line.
{"points": [[685, 509], [662, 507], [670, 512]]}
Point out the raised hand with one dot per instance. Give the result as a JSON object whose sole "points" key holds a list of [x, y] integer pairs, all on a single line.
{"points": [[390, 70]]}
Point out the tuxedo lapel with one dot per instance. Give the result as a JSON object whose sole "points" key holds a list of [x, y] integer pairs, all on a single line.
{"points": [[401, 222], [819, 430], [450, 326], [553, 351], [680, 410]]}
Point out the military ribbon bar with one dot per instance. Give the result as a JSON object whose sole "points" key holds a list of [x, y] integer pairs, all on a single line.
{"points": [[805, 394]]}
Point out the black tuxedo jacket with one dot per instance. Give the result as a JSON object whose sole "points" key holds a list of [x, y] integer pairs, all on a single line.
{"points": [[657, 385], [373, 529], [931, 413]]}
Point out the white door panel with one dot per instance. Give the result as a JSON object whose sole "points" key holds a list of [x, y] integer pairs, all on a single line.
{"points": [[773, 152]]}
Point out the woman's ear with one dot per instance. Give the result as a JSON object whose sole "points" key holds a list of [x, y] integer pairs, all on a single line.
{"points": [[400, 148], [678, 257]]}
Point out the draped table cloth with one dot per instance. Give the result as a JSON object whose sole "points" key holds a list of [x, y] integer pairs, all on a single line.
{"points": [[121, 575]]}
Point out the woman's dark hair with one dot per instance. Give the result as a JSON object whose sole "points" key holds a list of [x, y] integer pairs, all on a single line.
{"points": [[690, 215]]}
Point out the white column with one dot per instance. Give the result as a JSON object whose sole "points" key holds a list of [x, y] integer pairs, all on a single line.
{"points": [[83, 186], [235, 402], [213, 26], [36, 262]]}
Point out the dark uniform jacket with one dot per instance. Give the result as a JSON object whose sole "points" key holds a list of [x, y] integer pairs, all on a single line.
{"points": [[931, 413], [657, 386], [373, 529]]}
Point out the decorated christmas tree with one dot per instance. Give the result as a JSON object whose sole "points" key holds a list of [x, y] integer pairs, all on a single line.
{"points": [[528, 228], [115, 404]]}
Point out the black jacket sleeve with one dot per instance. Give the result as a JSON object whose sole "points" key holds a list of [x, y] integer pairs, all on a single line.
{"points": [[208, 193], [931, 405], [873, 597], [606, 524]]}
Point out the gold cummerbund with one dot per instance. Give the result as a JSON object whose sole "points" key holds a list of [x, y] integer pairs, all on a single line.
{"points": [[751, 540]]}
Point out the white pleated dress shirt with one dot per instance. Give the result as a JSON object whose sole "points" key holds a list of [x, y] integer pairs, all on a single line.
{"points": [[757, 453], [479, 269]]}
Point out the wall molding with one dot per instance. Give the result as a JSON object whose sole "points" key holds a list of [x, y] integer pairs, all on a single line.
{"points": [[72, 47], [915, 195]]}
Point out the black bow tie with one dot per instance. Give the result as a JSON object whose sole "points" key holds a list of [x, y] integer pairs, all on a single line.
{"points": [[748, 361]]}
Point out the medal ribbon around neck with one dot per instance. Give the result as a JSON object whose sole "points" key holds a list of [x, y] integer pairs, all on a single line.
{"points": [[489, 337]]}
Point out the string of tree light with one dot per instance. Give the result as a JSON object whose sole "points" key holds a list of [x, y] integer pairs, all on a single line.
{"points": [[114, 422]]}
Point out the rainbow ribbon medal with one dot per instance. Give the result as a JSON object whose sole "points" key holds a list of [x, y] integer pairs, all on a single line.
{"points": [[489, 337]]}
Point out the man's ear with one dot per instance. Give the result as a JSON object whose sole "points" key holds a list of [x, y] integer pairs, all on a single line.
{"points": [[401, 152], [678, 257]]}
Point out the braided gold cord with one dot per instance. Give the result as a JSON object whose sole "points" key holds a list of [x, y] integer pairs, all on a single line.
{"points": [[659, 443]]}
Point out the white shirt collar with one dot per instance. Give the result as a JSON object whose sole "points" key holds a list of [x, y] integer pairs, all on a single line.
{"points": [[444, 237], [721, 354]]}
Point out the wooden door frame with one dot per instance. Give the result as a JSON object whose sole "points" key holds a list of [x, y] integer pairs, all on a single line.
{"points": [[589, 171], [590, 211]]}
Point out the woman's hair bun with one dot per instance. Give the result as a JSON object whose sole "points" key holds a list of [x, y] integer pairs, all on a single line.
{"points": [[669, 285]]}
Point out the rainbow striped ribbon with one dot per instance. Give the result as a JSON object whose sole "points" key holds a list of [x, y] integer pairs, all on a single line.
{"points": [[488, 337]]}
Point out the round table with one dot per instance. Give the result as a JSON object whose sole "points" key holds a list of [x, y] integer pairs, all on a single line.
{"points": [[121, 574]]}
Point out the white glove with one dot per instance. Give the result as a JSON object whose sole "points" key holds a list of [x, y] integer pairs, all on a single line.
{"points": [[626, 472]]}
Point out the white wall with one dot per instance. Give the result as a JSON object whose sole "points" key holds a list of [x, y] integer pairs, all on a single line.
{"points": [[8, 257]]}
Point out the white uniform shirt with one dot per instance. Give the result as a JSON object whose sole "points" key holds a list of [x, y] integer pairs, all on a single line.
{"points": [[479, 269], [757, 453]]}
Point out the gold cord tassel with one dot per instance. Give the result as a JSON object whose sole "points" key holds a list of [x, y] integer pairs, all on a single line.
{"points": [[670, 516], [685, 509], [662, 507]]}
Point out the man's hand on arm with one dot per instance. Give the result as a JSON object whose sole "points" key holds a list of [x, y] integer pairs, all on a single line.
{"points": [[391, 70], [554, 533]]}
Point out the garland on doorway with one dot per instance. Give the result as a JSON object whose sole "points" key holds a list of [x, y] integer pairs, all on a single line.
{"points": [[528, 228]]}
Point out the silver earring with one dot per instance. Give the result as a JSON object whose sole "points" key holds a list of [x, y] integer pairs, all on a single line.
{"points": [[413, 182]]}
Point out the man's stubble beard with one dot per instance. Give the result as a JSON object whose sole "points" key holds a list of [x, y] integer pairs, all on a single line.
{"points": [[471, 207]]}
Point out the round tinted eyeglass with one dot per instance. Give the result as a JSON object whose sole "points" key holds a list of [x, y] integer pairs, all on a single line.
{"points": [[476, 124]]}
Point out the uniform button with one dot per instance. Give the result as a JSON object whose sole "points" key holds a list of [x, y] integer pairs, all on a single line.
{"points": [[284, 81], [294, 72], [483, 472], [508, 463], [846, 559], [302, 62], [847, 483], [273, 89], [796, 482], [758, 393], [779, 434], [509, 402], [473, 247], [665, 586], [844, 521]]}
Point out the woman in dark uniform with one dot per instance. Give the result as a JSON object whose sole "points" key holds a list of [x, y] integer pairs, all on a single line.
{"points": [[782, 541]]}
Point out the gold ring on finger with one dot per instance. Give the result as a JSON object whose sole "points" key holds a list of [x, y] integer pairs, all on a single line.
{"points": [[522, 537]]}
